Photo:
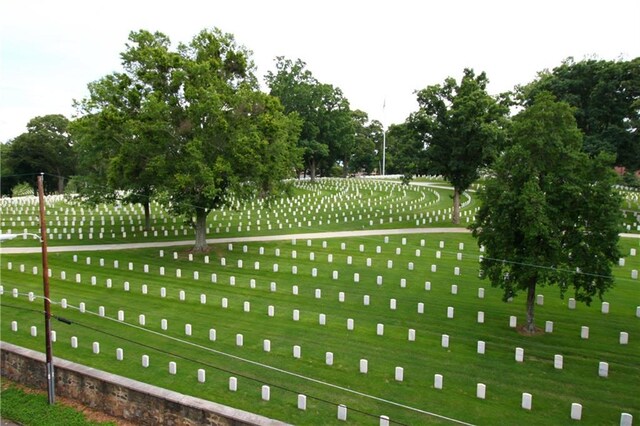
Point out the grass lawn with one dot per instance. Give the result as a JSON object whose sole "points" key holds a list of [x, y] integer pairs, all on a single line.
{"points": [[603, 399], [33, 409]]}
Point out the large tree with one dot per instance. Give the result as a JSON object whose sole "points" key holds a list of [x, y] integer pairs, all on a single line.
{"points": [[45, 147], [327, 134], [606, 100], [193, 118], [549, 214], [367, 138], [462, 126], [406, 151]]}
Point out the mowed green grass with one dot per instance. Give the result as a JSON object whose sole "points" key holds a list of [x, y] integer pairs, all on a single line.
{"points": [[407, 402], [330, 205]]}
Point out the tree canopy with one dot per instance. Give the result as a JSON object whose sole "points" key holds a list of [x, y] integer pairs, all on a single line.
{"points": [[549, 214], [46, 147], [606, 100], [190, 123], [462, 127], [327, 133]]}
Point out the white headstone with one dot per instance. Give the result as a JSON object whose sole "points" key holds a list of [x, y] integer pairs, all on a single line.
{"points": [[420, 307], [513, 321], [302, 402], [480, 317], [548, 327], [350, 324], [526, 400], [297, 351], [519, 354], [328, 358], [584, 332], [96, 347], [624, 338], [438, 381], [364, 366], [266, 393], [233, 384], [558, 362], [626, 419], [572, 303], [411, 335], [481, 347], [366, 299], [603, 369], [605, 307], [239, 339], [342, 412], [399, 374], [380, 329], [450, 312], [445, 341], [481, 391], [576, 411]]}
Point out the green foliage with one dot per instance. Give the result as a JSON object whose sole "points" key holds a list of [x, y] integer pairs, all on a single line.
{"points": [[33, 409], [21, 190], [327, 133], [549, 204], [463, 129], [605, 95], [190, 123], [367, 151], [406, 152], [46, 147]]}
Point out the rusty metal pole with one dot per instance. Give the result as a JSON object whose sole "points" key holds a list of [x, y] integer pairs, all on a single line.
{"points": [[47, 300]]}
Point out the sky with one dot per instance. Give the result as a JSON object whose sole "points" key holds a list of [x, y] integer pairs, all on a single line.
{"points": [[377, 52]]}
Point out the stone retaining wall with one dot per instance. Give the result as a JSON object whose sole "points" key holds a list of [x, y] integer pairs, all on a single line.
{"points": [[118, 396]]}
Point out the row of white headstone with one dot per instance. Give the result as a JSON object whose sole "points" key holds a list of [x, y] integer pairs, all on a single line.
{"points": [[626, 419], [605, 307]]}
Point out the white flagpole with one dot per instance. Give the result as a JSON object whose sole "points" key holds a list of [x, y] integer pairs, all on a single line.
{"points": [[384, 139]]}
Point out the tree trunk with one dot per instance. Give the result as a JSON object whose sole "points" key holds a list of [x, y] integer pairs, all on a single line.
{"points": [[147, 215], [201, 231], [456, 206], [531, 298], [345, 168], [60, 184], [312, 170]]}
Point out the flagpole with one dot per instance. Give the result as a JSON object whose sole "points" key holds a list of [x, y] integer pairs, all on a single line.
{"points": [[384, 139]]}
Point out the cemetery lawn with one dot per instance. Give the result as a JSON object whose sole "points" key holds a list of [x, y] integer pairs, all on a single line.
{"points": [[331, 205], [239, 302], [32, 409]]}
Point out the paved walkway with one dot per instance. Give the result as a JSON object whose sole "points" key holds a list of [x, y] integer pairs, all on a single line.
{"points": [[305, 236], [225, 240]]}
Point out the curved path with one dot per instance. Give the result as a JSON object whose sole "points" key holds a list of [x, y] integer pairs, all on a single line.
{"points": [[309, 235]]}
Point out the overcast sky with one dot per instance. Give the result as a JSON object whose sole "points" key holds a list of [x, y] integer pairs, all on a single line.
{"points": [[373, 50]]}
